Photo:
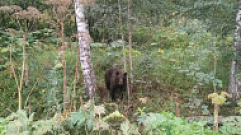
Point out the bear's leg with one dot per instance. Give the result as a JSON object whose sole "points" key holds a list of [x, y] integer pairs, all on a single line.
{"points": [[112, 93]]}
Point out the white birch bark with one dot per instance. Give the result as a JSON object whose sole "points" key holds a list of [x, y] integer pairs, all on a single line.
{"points": [[235, 83], [85, 56]]}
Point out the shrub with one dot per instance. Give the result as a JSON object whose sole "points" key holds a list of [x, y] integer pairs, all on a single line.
{"points": [[167, 124]]}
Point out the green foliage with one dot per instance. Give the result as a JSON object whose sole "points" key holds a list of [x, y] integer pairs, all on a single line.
{"points": [[3, 124], [89, 121], [231, 126], [108, 26], [180, 57], [184, 60], [141, 34], [167, 124], [104, 59], [7, 85], [239, 106], [224, 10], [42, 127], [85, 122], [20, 123], [177, 58], [219, 99], [127, 129], [175, 46]]}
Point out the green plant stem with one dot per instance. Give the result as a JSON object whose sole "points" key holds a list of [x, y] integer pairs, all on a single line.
{"points": [[215, 115], [23, 68], [131, 125], [86, 131], [31, 92], [99, 123]]}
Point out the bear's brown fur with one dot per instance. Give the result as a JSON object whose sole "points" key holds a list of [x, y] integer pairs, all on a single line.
{"points": [[115, 82]]}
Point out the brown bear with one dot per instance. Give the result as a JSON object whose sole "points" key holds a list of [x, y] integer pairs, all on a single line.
{"points": [[115, 82]]}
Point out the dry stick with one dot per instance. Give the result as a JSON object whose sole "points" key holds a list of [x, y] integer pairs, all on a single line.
{"points": [[65, 93], [9, 110], [26, 74], [29, 108], [215, 124], [130, 54], [124, 53], [82, 103], [22, 73], [15, 77], [177, 108], [31, 92], [6, 109], [215, 114]]}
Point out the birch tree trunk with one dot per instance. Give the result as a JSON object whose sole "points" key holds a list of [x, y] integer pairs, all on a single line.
{"points": [[235, 83], [85, 56]]}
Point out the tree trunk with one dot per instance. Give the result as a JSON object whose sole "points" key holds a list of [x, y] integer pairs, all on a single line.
{"points": [[85, 56], [235, 83]]}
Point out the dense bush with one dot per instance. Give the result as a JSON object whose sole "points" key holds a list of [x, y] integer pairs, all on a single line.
{"points": [[167, 124]]}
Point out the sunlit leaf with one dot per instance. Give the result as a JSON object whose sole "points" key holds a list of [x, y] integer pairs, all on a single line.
{"points": [[5, 49], [99, 110]]}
